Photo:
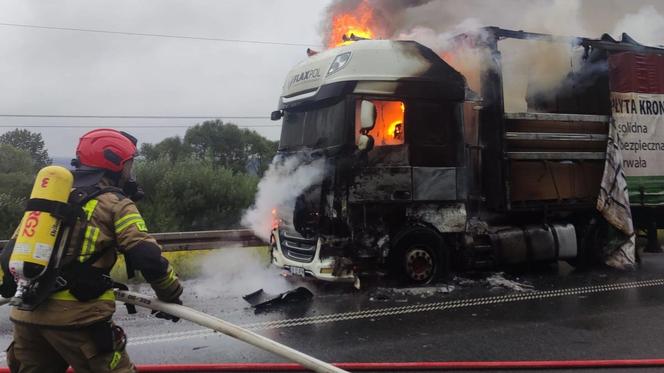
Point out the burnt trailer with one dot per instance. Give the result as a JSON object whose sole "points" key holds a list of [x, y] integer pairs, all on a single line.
{"points": [[423, 175]]}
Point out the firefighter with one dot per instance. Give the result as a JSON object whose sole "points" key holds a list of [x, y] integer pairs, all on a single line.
{"points": [[73, 327]]}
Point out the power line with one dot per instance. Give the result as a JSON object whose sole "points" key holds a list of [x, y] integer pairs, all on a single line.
{"points": [[156, 35], [136, 116], [159, 126]]}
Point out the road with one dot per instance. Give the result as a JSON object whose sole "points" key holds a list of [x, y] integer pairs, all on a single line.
{"points": [[551, 313]]}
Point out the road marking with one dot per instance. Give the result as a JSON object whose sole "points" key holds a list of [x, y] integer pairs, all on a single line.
{"points": [[402, 310]]}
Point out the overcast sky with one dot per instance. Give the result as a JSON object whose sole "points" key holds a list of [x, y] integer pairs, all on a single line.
{"points": [[64, 72], [45, 71]]}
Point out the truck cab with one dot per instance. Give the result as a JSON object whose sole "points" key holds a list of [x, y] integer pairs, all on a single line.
{"points": [[387, 118]]}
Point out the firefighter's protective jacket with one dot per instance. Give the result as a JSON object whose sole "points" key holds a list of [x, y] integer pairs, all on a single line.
{"points": [[114, 225]]}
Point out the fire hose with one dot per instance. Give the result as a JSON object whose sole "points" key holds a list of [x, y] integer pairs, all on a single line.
{"points": [[216, 324]]}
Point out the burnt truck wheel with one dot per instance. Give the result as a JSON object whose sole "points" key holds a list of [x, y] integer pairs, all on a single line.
{"points": [[420, 257]]}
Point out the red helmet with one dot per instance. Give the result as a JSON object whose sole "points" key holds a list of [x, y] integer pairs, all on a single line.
{"points": [[106, 149]]}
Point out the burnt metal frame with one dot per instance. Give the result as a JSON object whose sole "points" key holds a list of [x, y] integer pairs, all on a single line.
{"points": [[491, 117]]}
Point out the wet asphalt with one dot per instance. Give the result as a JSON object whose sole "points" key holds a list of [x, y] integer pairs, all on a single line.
{"points": [[547, 313]]}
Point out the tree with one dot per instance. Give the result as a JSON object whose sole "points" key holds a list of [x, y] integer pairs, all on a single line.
{"points": [[204, 181], [30, 142], [231, 147], [225, 145], [17, 173], [171, 148], [192, 194]]}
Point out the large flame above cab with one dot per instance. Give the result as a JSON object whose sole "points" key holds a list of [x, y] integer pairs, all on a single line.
{"points": [[358, 22]]}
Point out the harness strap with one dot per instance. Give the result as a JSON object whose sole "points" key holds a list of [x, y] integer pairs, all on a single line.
{"points": [[60, 210]]}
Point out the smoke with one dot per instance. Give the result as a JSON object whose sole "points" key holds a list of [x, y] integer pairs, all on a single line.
{"points": [[464, 59], [284, 181], [235, 272], [239, 271], [528, 66], [646, 26]]}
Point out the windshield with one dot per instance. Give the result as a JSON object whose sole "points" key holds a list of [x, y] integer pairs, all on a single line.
{"points": [[320, 127]]}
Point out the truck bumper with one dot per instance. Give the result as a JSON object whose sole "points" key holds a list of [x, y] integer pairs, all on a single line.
{"points": [[318, 268]]}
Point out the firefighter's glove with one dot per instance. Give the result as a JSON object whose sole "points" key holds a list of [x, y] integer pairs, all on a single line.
{"points": [[167, 316], [8, 287]]}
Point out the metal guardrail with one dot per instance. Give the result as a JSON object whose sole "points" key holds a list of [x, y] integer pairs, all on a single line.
{"points": [[202, 240]]}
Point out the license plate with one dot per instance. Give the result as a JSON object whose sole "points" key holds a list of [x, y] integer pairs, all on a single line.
{"points": [[297, 271]]}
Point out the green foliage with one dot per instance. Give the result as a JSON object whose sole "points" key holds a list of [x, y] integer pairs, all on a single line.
{"points": [[229, 146], [171, 148], [192, 194], [30, 142], [202, 181], [17, 173], [225, 145]]}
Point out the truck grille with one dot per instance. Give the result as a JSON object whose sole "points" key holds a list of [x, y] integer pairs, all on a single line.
{"points": [[298, 248]]}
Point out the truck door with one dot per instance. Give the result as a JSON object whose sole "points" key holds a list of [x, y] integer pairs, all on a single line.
{"points": [[437, 151], [386, 175]]}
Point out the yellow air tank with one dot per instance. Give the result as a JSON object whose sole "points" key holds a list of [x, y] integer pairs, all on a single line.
{"points": [[39, 230]]}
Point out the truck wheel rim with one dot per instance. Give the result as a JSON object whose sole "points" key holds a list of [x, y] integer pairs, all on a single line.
{"points": [[419, 264]]}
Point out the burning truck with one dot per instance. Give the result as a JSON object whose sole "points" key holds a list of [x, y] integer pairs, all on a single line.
{"points": [[420, 174]]}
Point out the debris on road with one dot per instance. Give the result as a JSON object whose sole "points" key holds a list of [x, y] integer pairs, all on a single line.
{"points": [[261, 300], [401, 294], [498, 280]]}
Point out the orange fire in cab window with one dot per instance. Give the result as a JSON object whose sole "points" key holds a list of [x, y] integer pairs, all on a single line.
{"points": [[389, 128]]}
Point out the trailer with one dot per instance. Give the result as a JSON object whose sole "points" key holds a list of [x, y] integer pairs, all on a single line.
{"points": [[422, 175]]}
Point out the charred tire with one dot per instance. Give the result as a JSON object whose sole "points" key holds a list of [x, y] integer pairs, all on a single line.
{"points": [[420, 256]]}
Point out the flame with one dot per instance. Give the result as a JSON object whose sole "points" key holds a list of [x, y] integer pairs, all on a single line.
{"points": [[396, 130], [275, 219], [357, 22], [389, 129]]}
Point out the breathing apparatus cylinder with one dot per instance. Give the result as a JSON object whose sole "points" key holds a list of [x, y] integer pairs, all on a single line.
{"points": [[39, 231]]}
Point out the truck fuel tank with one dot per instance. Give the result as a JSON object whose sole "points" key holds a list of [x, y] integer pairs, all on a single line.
{"points": [[543, 242]]}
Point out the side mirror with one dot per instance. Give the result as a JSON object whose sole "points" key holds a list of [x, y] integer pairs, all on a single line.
{"points": [[365, 143], [276, 115], [367, 115]]}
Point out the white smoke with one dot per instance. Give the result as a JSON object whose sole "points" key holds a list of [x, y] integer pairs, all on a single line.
{"points": [[467, 61], [235, 272], [528, 66], [284, 181], [646, 26], [239, 271]]}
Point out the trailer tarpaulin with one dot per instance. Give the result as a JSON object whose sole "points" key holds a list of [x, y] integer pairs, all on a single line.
{"points": [[634, 169], [637, 106], [613, 203]]}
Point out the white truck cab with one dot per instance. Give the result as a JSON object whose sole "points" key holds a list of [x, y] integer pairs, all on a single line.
{"points": [[321, 105]]}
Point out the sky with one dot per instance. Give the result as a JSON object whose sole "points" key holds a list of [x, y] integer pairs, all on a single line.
{"points": [[64, 72], [46, 71]]}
